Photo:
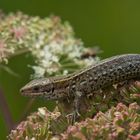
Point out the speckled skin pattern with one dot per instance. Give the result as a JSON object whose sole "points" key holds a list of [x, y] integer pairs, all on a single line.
{"points": [[93, 78]]}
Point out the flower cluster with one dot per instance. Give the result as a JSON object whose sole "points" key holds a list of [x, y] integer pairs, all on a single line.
{"points": [[120, 122], [51, 42], [39, 125], [14, 32]]}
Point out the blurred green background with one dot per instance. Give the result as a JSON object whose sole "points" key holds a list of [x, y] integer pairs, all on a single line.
{"points": [[114, 26]]}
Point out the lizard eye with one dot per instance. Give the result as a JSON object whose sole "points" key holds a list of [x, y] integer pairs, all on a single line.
{"points": [[36, 88]]}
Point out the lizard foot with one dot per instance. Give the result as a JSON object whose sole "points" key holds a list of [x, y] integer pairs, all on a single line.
{"points": [[72, 117]]}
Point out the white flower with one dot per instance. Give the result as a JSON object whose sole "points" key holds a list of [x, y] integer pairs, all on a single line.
{"points": [[39, 71], [90, 61], [57, 45], [65, 72], [42, 111], [75, 52]]}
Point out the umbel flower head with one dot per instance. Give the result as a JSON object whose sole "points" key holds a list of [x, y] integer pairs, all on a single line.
{"points": [[51, 42], [120, 122]]}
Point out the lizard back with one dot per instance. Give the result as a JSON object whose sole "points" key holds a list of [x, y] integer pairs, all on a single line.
{"points": [[107, 72]]}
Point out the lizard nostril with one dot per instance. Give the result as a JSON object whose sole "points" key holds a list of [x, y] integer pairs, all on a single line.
{"points": [[21, 90]]}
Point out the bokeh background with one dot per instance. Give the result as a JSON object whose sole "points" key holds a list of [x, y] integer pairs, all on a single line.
{"points": [[114, 26]]}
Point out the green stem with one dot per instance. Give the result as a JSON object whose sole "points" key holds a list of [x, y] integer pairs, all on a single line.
{"points": [[25, 50]]}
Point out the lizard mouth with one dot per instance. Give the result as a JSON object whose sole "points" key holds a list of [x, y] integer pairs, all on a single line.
{"points": [[35, 94], [30, 93]]}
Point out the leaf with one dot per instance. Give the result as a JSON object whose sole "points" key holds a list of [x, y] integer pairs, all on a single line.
{"points": [[9, 70]]}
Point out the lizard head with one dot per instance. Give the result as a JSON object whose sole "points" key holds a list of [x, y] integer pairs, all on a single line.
{"points": [[42, 87]]}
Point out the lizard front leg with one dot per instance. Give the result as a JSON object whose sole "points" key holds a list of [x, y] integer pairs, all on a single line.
{"points": [[76, 107]]}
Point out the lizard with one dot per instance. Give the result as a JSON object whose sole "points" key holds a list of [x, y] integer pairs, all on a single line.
{"points": [[85, 81]]}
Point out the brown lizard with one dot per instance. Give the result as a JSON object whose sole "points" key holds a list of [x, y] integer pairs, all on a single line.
{"points": [[86, 81]]}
